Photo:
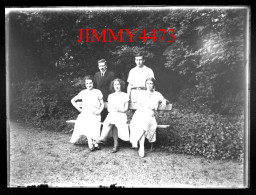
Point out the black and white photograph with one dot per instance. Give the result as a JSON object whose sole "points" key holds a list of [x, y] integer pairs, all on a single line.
{"points": [[128, 97]]}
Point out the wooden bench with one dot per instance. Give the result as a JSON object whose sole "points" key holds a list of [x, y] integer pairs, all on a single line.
{"points": [[133, 106]]}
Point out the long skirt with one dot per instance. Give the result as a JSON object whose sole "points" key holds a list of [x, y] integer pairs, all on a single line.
{"points": [[142, 123], [87, 124], [120, 121]]}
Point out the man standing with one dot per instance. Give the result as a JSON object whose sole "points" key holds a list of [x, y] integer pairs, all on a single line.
{"points": [[137, 76], [103, 80]]}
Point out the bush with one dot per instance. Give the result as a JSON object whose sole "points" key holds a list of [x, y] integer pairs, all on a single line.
{"points": [[227, 103], [43, 103], [211, 135]]}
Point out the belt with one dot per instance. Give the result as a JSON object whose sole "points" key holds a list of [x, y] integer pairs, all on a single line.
{"points": [[140, 88]]}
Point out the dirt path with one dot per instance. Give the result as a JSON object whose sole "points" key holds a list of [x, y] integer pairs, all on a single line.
{"points": [[45, 157]]}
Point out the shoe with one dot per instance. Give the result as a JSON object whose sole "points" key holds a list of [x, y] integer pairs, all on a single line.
{"points": [[92, 149], [103, 142], [141, 153], [97, 148], [115, 149], [134, 148]]}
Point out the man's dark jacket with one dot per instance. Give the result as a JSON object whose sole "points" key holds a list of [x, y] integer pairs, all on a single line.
{"points": [[103, 83]]}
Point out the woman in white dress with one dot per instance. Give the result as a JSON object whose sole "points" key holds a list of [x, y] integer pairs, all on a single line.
{"points": [[116, 119], [143, 124], [88, 122]]}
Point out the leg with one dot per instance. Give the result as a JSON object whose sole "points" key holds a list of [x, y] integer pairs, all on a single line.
{"points": [[105, 132], [90, 144], [96, 145], [115, 137], [141, 149], [140, 136], [78, 129], [151, 146]]}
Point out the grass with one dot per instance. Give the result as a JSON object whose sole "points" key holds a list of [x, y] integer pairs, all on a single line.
{"points": [[39, 156]]}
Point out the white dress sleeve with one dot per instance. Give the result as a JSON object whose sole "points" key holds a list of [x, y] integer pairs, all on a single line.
{"points": [[151, 73], [161, 99], [80, 95], [125, 98], [110, 102], [129, 77], [100, 95]]}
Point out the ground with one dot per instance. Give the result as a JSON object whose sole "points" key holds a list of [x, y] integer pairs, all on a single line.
{"points": [[39, 156]]}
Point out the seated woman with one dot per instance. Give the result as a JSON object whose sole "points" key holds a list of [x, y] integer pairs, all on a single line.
{"points": [[143, 124], [116, 119], [88, 121]]}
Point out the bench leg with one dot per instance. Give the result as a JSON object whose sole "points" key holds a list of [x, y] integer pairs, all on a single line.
{"points": [[151, 146]]}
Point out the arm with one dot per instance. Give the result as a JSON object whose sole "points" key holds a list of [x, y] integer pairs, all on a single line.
{"points": [[113, 108], [97, 112], [151, 73], [73, 101], [126, 105], [110, 108], [110, 105], [162, 101], [101, 106], [130, 85], [129, 88]]}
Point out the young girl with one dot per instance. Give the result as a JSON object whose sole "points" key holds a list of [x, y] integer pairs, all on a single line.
{"points": [[88, 122], [143, 124], [116, 119]]}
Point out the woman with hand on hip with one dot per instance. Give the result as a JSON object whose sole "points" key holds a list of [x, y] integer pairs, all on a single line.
{"points": [[88, 122]]}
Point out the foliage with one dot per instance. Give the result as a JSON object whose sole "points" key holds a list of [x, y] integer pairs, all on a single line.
{"points": [[192, 99], [45, 104], [211, 135], [208, 54], [214, 60]]}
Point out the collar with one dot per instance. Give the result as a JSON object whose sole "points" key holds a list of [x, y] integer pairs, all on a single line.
{"points": [[144, 67], [103, 72]]}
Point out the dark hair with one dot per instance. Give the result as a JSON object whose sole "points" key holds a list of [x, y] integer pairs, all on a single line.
{"points": [[102, 60], [139, 55], [89, 77], [122, 83], [150, 79]]}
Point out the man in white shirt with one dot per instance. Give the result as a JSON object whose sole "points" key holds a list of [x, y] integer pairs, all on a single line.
{"points": [[138, 75]]}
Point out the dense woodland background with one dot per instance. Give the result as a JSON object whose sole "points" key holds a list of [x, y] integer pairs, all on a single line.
{"points": [[202, 73]]}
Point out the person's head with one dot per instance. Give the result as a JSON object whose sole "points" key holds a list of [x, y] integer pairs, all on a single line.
{"points": [[150, 83], [102, 64], [89, 82], [117, 85], [139, 59]]}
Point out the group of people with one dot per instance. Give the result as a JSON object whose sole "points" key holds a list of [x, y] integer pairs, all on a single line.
{"points": [[105, 87]]}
